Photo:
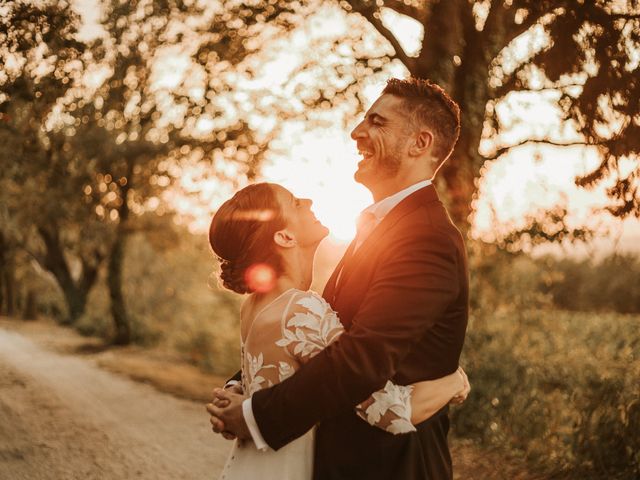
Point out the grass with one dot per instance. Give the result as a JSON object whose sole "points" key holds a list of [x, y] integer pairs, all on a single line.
{"points": [[557, 388]]}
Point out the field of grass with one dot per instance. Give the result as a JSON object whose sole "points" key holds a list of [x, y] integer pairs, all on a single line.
{"points": [[561, 389]]}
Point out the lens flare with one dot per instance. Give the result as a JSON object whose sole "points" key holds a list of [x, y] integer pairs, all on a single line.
{"points": [[260, 278]]}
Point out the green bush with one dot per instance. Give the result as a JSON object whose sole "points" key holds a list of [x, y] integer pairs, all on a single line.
{"points": [[611, 284], [558, 388], [172, 301]]}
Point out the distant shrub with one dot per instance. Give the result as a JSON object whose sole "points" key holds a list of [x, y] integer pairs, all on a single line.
{"points": [[612, 284], [171, 304], [558, 388], [500, 278]]}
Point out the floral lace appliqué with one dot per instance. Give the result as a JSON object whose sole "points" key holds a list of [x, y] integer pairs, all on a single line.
{"points": [[256, 365], [308, 326], [307, 333]]}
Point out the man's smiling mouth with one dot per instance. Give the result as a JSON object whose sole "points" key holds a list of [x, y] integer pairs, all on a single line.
{"points": [[366, 154]]}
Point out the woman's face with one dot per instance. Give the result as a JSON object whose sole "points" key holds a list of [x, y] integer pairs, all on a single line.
{"points": [[301, 222]]}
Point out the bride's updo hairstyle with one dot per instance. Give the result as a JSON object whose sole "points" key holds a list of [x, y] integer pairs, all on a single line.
{"points": [[241, 235]]}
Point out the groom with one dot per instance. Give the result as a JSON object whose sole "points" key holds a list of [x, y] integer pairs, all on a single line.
{"points": [[401, 291]]}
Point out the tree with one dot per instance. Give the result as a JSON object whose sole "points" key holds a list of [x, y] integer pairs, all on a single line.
{"points": [[38, 172], [132, 133], [96, 155], [470, 48]]}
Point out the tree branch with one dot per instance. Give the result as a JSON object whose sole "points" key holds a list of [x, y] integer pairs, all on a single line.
{"points": [[402, 8], [501, 151], [625, 16], [35, 256], [500, 92], [373, 17]]}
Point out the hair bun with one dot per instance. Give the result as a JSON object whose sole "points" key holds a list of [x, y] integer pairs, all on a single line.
{"points": [[232, 276]]}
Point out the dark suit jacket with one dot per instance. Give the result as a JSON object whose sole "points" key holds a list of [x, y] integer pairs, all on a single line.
{"points": [[403, 299]]}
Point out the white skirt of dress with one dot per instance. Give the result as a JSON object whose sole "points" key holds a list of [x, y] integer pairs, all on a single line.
{"points": [[294, 461]]}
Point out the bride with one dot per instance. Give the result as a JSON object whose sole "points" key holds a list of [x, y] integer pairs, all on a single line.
{"points": [[266, 239]]}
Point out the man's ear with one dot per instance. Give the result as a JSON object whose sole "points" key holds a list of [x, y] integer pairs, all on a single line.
{"points": [[422, 143], [285, 239]]}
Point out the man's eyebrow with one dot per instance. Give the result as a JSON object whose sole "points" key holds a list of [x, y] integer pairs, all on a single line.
{"points": [[375, 116]]}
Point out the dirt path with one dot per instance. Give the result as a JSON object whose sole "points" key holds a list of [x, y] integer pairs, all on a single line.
{"points": [[72, 408], [62, 417]]}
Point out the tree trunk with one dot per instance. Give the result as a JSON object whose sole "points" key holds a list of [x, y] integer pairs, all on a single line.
{"points": [[76, 304], [114, 279], [2, 294], [29, 308], [116, 263], [452, 33], [75, 293], [7, 300], [9, 282]]}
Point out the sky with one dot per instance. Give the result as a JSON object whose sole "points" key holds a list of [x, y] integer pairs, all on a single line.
{"points": [[319, 163]]}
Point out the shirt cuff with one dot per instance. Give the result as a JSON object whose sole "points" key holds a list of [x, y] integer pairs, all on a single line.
{"points": [[231, 383], [247, 412]]}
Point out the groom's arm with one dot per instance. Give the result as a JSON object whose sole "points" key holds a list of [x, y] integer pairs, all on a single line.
{"points": [[412, 288]]}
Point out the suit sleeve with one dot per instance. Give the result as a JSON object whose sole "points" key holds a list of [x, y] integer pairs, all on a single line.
{"points": [[412, 287]]}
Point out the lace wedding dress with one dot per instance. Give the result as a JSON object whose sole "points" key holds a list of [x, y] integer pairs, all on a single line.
{"points": [[283, 336]]}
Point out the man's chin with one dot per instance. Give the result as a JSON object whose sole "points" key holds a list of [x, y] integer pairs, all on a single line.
{"points": [[365, 175], [361, 176]]}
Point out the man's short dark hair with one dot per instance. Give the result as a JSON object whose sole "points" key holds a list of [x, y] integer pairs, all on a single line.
{"points": [[429, 105]]}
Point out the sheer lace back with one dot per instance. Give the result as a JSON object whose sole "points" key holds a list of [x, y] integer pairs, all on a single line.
{"points": [[288, 332], [284, 335]]}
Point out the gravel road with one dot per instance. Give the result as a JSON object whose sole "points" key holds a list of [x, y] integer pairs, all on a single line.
{"points": [[61, 417]]}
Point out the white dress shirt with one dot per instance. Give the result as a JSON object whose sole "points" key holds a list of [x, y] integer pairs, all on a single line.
{"points": [[379, 210]]}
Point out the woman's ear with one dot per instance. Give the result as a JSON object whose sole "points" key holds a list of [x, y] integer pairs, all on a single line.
{"points": [[422, 143], [285, 239]]}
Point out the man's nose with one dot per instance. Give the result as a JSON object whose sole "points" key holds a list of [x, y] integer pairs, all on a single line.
{"points": [[308, 202], [358, 132]]}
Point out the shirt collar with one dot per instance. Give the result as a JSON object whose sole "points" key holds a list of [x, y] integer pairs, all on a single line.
{"points": [[383, 207]]}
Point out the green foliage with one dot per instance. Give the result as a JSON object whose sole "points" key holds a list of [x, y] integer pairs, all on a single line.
{"points": [[583, 55], [608, 285], [559, 388], [502, 279], [173, 300], [42, 207], [88, 138], [555, 386]]}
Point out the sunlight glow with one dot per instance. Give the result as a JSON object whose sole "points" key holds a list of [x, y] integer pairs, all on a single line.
{"points": [[409, 31], [319, 162], [321, 168]]}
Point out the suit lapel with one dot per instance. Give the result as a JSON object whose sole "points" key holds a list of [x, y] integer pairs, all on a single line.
{"points": [[349, 262], [330, 287]]}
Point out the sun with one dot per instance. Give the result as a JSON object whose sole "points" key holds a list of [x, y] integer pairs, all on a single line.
{"points": [[322, 169]]}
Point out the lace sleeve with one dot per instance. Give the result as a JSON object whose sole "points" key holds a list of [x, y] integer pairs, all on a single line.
{"points": [[389, 409], [311, 325]]}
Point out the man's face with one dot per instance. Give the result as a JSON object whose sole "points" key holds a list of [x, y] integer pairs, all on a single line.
{"points": [[382, 139]]}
